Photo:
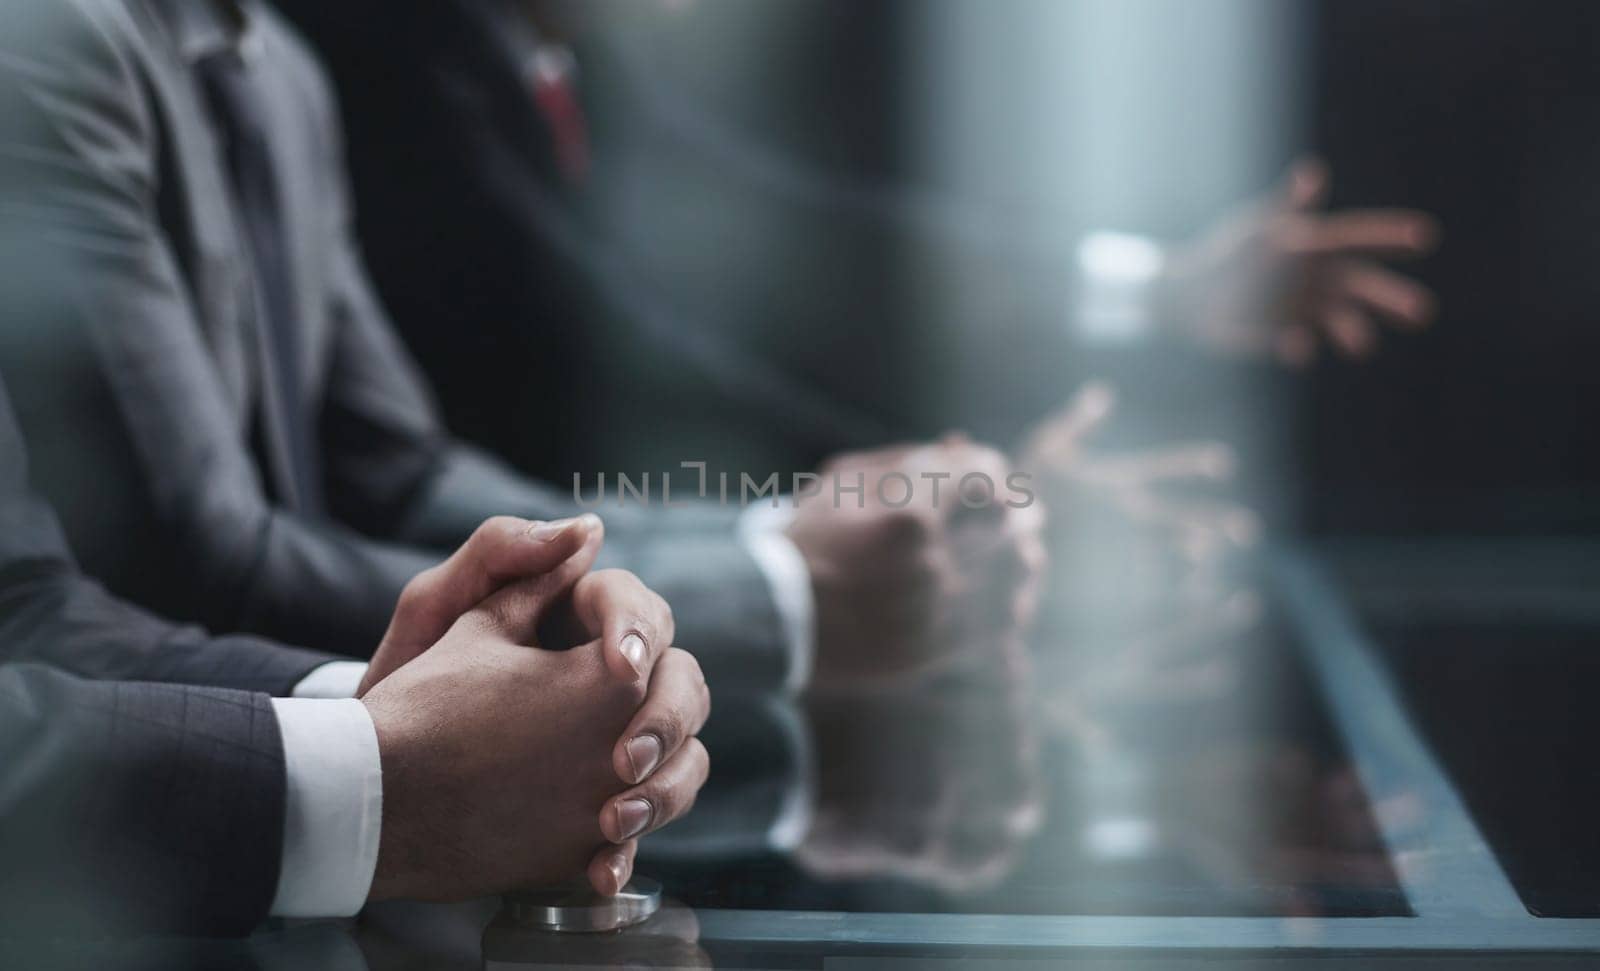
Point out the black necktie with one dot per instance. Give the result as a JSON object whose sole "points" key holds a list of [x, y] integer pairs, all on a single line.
{"points": [[240, 119]]}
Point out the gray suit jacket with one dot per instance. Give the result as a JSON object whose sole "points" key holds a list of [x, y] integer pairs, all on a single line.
{"points": [[141, 767], [130, 340]]}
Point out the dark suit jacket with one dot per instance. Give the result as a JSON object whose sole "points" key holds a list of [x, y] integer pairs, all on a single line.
{"points": [[513, 257], [127, 804], [770, 351], [133, 348]]}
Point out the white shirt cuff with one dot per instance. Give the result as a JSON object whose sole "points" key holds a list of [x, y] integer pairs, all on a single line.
{"points": [[761, 529], [335, 807], [336, 679], [799, 809], [1115, 293]]}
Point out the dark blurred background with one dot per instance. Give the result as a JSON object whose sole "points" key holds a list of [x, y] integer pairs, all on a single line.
{"points": [[1487, 114], [870, 203]]}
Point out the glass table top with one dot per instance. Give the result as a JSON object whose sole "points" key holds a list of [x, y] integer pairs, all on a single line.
{"points": [[1300, 773], [1196, 778]]}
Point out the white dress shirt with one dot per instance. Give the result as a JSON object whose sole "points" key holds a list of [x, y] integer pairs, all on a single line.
{"points": [[761, 528], [334, 815]]}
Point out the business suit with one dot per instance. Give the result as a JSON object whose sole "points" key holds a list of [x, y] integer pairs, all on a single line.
{"points": [[142, 778], [789, 356], [519, 265], [137, 353]]}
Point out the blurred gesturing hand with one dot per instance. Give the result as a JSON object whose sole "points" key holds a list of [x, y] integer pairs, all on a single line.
{"points": [[1147, 489], [1283, 277], [907, 590]]}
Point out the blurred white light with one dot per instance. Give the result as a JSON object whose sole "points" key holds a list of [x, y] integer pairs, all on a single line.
{"points": [[1120, 838], [1116, 272], [1120, 258]]}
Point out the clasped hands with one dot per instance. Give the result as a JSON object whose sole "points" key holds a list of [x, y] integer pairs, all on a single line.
{"points": [[534, 721], [507, 763]]}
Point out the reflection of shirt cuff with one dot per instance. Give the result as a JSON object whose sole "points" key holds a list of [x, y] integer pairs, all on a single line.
{"points": [[336, 679], [799, 808], [334, 812], [761, 529], [1116, 293]]}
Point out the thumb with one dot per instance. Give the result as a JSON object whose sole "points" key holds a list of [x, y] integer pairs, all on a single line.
{"points": [[517, 609], [1058, 439], [1087, 410], [502, 550], [1305, 185]]}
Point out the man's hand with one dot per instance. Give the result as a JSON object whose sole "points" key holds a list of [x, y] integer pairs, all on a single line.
{"points": [[1283, 277], [633, 623], [502, 550], [908, 590], [505, 764]]}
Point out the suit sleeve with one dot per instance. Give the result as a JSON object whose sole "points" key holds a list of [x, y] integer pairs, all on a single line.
{"points": [[134, 438], [382, 428], [133, 807], [723, 603], [51, 614]]}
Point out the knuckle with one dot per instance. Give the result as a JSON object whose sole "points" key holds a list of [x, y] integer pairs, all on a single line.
{"points": [[497, 526], [670, 725], [662, 609], [701, 762], [495, 531], [663, 791], [498, 613], [420, 586], [680, 658], [418, 596], [673, 800], [614, 580], [602, 587]]}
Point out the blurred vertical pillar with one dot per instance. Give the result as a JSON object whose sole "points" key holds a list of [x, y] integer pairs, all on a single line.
{"points": [[1142, 116]]}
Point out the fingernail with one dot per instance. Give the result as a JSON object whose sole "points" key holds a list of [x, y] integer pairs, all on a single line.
{"points": [[632, 648], [547, 532], [633, 815], [619, 871], [643, 754]]}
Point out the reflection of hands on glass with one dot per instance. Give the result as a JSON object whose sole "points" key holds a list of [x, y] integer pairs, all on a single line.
{"points": [[909, 591], [939, 785], [669, 939], [1283, 276], [1268, 817], [1151, 491], [1087, 688]]}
